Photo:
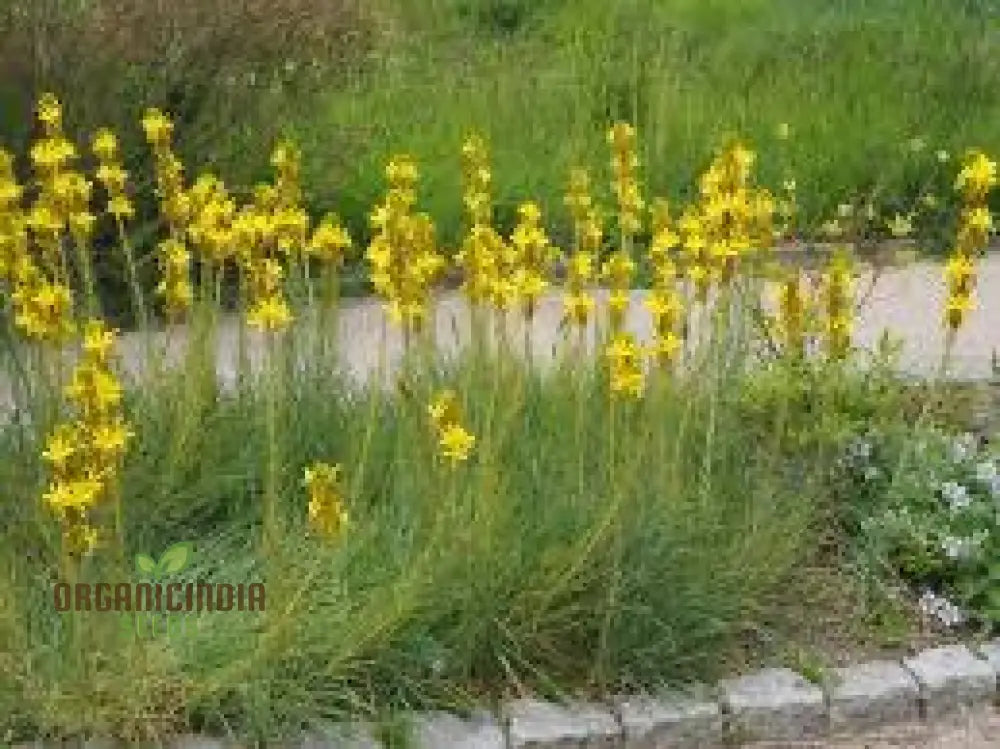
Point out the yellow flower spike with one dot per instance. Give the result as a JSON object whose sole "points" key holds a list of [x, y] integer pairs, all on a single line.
{"points": [[61, 446], [271, 314], [443, 409], [157, 127], [329, 241], [625, 366], [93, 390], [98, 341], [105, 145], [456, 443], [76, 495], [326, 511], [111, 437], [956, 309], [977, 177], [529, 213], [80, 538], [621, 136], [665, 349], [50, 112]]}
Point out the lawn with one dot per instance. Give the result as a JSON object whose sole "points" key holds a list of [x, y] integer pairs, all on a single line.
{"points": [[859, 85]]}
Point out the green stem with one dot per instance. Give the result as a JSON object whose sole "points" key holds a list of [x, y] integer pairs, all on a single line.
{"points": [[604, 666], [91, 305], [274, 367]]}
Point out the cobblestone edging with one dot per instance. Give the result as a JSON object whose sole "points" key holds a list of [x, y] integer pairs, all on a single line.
{"points": [[775, 704]]}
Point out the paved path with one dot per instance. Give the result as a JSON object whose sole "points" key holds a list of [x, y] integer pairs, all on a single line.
{"points": [[906, 301]]}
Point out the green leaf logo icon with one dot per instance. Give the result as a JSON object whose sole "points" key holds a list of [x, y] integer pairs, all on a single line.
{"points": [[174, 559], [145, 564]]}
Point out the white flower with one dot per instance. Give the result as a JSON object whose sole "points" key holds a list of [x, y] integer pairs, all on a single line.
{"points": [[986, 472], [871, 472], [941, 608], [861, 448], [956, 495], [962, 548], [949, 614], [962, 448]]}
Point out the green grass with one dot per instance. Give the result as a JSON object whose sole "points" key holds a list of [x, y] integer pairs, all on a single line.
{"points": [[854, 80], [568, 556]]}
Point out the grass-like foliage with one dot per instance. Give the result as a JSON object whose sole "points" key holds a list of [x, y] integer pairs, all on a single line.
{"points": [[449, 529]]}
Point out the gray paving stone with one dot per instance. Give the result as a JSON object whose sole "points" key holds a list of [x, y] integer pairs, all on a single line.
{"points": [[446, 731], [678, 721], [871, 695], [546, 725], [775, 704], [950, 677], [990, 652]]}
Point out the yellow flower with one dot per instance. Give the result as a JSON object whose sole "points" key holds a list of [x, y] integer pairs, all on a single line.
{"points": [[105, 145], [662, 305], [157, 127], [625, 366], [621, 135], [665, 348], [77, 495], [271, 314], [578, 307], [121, 207], [977, 176], [956, 309], [61, 446], [456, 443], [93, 389], [49, 111], [329, 240], [98, 341], [80, 538], [326, 510], [444, 410], [113, 177], [978, 219], [111, 438]]}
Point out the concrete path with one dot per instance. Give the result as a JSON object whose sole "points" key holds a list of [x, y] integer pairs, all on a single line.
{"points": [[905, 301]]}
